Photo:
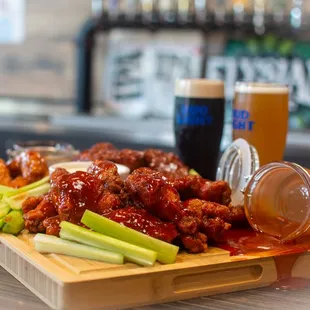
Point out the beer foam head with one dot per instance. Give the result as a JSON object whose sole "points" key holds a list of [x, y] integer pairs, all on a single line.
{"points": [[261, 88], [199, 88]]}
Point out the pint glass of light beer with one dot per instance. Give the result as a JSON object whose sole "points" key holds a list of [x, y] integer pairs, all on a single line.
{"points": [[260, 116]]}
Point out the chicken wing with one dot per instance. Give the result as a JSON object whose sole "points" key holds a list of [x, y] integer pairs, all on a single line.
{"points": [[31, 203], [195, 243], [154, 194], [214, 227], [35, 217], [109, 202], [5, 176], [130, 158], [31, 165], [141, 220], [167, 163], [237, 216], [100, 151], [211, 217], [18, 182], [106, 172], [73, 193], [197, 187], [52, 225]]}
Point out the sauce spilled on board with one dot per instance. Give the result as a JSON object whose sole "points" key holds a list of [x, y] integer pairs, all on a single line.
{"points": [[240, 242], [285, 281]]}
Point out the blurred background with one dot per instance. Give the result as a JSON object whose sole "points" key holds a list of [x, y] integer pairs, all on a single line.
{"points": [[85, 71]]}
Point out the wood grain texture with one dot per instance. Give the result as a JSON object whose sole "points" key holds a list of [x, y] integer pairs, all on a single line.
{"points": [[63, 282], [13, 295]]}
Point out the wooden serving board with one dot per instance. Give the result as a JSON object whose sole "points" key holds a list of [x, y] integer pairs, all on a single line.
{"points": [[65, 282]]}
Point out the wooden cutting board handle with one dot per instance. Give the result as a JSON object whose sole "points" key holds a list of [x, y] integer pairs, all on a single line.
{"points": [[179, 284]]}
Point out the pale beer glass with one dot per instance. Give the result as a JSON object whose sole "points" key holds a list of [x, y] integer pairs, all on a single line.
{"points": [[260, 116]]}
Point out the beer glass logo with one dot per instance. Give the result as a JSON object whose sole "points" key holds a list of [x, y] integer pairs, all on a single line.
{"points": [[241, 120], [193, 115]]}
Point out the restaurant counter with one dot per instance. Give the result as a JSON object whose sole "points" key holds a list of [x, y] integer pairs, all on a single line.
{"points": [[84, 131]]}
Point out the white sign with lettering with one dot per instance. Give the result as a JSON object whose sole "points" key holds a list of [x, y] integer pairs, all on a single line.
{"points": [[12, 21], [294, 72]]}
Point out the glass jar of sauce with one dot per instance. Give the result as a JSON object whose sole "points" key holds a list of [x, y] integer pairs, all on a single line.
{"points": [[276, 197], [53, 152]]}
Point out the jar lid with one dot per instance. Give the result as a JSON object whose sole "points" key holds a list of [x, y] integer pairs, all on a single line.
{"points": [[237, 165]]}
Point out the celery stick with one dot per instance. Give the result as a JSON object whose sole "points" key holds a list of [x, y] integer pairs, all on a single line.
{"points": [[131, 252], [16, 201], [52, 244], [13, 222], [4, 210], [28, 187], [193, 172], [6, 189], [166, 252], [1, 222]]}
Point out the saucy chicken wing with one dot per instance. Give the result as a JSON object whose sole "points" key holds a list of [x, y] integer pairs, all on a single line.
{"points": [[130, 158], [167, 163], [99, 151], [18, 182], [5, 176], [141, 220], [109, 202], [211, 217], [34, 217], [73, 193], [195, 243], [106, 172], [197, 187], [31, 203], [237, 216], [52, 225], [31, 165], [153, 193]]}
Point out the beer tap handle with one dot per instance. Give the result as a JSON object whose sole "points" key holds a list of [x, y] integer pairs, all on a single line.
{"points": [[201, 11], [113, 9], [278, 10], [105, 7], [97, 7], [183, 10], [147, 10], [132, 9], [259, 16], [296, 13], [167, 10], [239, 10], [220, 11]]}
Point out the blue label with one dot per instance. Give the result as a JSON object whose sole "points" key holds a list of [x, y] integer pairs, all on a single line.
{"points": [[242, 120], [193, 115]]}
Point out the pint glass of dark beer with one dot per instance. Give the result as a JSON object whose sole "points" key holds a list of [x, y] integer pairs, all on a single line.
{"points": [[198, 123]]}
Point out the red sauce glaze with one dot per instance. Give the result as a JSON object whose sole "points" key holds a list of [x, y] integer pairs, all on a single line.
{"points": [[241, 242], [285, 281], [52, 225], [248, 242], [74, 194], [141, 220]]}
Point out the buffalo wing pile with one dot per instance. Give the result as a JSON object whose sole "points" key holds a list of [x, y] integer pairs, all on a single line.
{"points": [[167, 163], [24, 169], [185, 210]]}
